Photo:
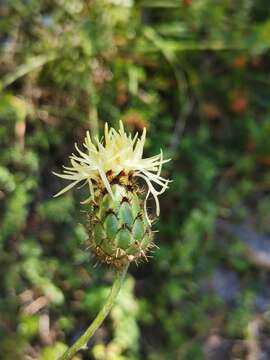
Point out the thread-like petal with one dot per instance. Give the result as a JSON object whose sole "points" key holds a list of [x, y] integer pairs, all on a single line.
{"points": [[117, 152]]}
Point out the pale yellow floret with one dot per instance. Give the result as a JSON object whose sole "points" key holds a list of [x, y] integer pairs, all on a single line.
{"points": [[119, 152]]}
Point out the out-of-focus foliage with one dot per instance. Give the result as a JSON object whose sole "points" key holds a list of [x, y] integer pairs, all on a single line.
{"points": [[195, 74]]}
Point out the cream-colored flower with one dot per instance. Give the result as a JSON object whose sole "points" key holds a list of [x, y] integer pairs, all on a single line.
{"points": [[118, 152]]}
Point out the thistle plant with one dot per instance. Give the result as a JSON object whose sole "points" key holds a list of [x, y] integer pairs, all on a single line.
{"points": [[119, 225]]}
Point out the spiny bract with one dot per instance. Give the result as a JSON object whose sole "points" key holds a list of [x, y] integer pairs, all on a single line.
{"points": [[119, 226]]}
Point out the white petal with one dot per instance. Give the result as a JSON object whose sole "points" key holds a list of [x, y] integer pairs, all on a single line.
{"points": [[67, 188]]}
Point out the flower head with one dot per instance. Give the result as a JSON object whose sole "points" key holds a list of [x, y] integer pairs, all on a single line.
{"points": [[117, 153]]}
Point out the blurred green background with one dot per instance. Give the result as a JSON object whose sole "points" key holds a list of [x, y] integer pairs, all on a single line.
{"points": [[195, 73]]}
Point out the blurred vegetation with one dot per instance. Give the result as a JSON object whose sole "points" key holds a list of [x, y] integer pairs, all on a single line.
{"points": [[195, 73]]}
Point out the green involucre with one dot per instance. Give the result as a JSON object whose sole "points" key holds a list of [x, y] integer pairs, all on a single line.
{"points": [[118, 228]]}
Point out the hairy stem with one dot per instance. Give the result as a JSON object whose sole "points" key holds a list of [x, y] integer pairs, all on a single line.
{"points": [[104, 311]]}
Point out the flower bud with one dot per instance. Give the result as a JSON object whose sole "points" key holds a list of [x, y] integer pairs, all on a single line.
{"points": [[119, 231]]}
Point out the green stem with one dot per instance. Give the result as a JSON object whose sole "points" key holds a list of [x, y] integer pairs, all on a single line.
{"points": [[104, 311]]}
